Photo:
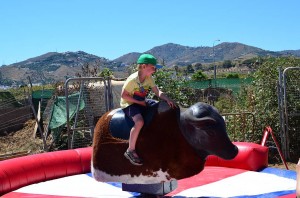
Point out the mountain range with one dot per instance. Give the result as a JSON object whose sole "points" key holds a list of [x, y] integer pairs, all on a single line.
{"points": [[54, 66]]}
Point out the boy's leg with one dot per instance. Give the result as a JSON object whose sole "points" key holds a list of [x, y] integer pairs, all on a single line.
{"points": [[135, 130], [131, 154], [135, 112]]}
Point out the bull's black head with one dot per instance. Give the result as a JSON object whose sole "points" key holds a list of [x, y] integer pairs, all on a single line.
{"points": [[205, 130]]}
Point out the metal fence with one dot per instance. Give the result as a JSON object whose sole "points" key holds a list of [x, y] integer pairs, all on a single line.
{"points": [[289, 109], [240, 127], [18, 122], [93, 99], [14, 111]]}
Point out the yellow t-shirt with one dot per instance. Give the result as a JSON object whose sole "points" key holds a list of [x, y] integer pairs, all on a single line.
{"points": [[135, 87]]}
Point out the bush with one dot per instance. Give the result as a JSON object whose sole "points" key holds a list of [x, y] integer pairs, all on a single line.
{"points": [[199, 76], [175, 87], [233, 75]]}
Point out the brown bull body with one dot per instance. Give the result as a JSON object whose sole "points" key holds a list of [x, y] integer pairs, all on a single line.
{"points": [[163, 144]]}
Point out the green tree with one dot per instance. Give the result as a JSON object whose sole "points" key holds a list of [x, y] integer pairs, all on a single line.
{"points": [[190, 69], [199, 76], [198, 66], [249, 62], [227, 64], [106, 73]]}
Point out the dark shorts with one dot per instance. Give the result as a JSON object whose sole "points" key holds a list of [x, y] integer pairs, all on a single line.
{"points": [[134, 109]]}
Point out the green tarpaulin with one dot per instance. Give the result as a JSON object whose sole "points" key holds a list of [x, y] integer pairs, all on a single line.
{"points": [[59, 112], [46, 94], [41, 96]]}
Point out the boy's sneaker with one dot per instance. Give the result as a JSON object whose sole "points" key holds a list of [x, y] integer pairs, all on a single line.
{"points": [[133, 158]]}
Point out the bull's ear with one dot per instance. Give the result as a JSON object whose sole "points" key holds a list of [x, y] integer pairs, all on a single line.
{"points": [[202, 121], [206, 121]]}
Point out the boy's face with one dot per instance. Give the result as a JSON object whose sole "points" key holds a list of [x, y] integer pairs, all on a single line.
{"points": [[150, 69]]}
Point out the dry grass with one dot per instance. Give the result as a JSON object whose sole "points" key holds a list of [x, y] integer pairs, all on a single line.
{"points": [[21, 140]]}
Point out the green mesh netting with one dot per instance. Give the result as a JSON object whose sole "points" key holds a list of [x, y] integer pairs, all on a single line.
{"points": [[229, 83]]}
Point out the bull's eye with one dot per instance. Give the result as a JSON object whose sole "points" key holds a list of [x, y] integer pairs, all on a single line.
{"points": [[210, 132], [209, 127]]}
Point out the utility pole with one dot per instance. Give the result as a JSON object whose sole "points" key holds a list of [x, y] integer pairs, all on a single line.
{"points": [[215, 67]]}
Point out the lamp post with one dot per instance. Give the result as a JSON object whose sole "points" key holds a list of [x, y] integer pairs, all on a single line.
{"points": [[215, 67]]}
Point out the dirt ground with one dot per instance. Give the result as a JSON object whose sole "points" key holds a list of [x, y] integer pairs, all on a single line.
{"points": [[24, 141], [291, 166], [21, 141]]}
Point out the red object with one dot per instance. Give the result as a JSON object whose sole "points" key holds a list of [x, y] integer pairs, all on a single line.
{"points": [[289, 196], [268, 130], [18, 172], [251, 156]]}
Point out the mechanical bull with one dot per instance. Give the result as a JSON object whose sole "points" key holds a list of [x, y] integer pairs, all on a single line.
{"points": [[173, 145]]}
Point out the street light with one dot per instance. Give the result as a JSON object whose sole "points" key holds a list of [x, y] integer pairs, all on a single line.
{"points": [[215, 67]]}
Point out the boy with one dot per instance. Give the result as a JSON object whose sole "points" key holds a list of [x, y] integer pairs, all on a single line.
{"points": [[133, 100]]}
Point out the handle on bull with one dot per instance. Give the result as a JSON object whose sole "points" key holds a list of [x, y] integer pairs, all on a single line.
{"points": [[268, 130]]}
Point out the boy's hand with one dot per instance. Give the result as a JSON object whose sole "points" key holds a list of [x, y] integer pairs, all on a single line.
{"points": [[171, 104], [142, 103]]}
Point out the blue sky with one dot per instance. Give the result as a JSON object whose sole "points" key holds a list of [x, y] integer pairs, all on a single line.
{"points": [[112, 28]]}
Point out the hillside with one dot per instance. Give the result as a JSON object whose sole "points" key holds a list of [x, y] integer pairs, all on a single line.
{"points": [[173, 54], [49, 67], [53, 66]]}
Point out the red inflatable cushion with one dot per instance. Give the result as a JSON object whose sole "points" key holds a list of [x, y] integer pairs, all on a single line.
{"points": [[251, 157], [21, 171]]}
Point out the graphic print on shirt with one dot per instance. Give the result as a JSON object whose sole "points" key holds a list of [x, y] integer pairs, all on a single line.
{"points": [[141, 91]]}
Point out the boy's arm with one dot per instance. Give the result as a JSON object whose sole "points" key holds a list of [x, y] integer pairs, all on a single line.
{"points": [[126, 96], [163, 96]]}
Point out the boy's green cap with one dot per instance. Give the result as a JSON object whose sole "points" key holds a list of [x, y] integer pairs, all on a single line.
{"points": [[147, 59]]}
